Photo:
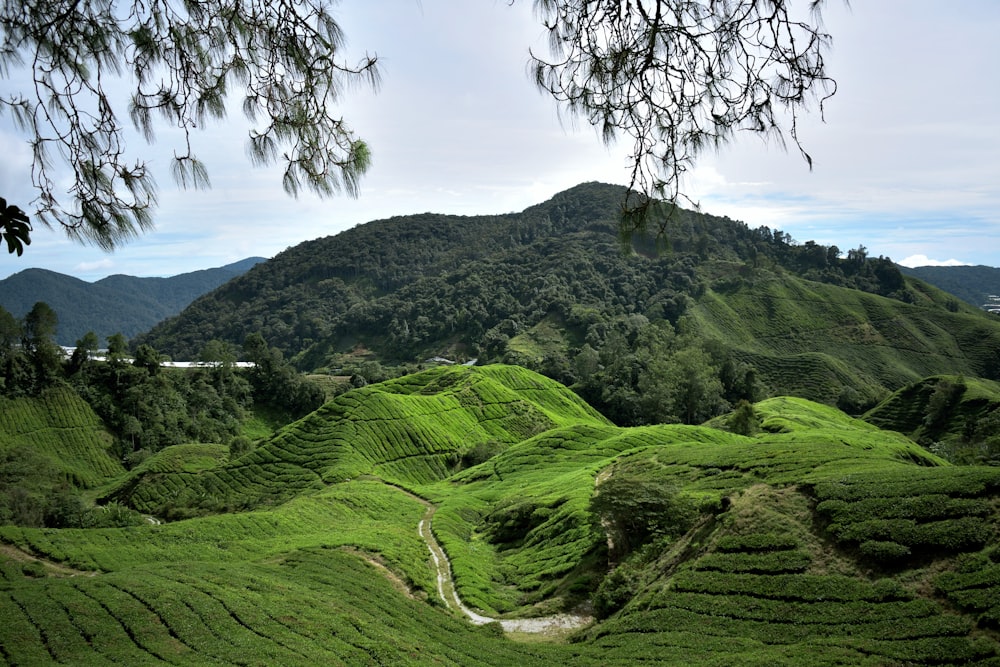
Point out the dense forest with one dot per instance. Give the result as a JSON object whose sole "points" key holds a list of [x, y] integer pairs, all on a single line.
{"points": [[654, 330], [406, 285]]}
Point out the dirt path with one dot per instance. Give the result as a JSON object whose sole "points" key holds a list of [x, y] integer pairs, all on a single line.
{"points": [[447, 592]]}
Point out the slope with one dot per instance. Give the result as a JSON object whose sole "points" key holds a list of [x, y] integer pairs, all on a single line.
{"points": [[954, 415], [59, 431], [813, 340], [116, 304], [972, 284], [536, 287], [822, 540], [409, 431]]}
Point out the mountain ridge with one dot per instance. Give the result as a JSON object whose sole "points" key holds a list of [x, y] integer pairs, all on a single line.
{"points": [[538, 288], [118, 303]]}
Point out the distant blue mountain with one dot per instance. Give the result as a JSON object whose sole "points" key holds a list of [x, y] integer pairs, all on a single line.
{"points": [[117, 304]]}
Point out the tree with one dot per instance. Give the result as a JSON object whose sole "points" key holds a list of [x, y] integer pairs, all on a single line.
{"points": [[85, 350], [11, 353], [683, 386], [633, 506], [147, 357], [681, 76], [180, 61], [675, 76], [39, 329]]}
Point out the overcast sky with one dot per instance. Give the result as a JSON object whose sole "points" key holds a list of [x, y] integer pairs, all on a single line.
{"points": [[907, 162]]}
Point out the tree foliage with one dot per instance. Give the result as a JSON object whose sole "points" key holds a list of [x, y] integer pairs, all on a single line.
{"points": [[633, 506], [181, 62], [681, 76], [674, 76]]}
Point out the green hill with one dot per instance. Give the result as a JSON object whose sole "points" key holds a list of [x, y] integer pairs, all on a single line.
{"points": [[814, 340], [408, 431], [972, 284], [822, 539], [552, 288], [116, 304], [60, 431], [958, 416]]}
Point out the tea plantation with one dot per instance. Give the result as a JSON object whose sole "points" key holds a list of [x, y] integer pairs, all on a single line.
{"points": [[820, 540]]}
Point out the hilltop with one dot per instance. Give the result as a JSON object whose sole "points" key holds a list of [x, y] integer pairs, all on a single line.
{"points": [[115, 304], [819, 539], [553, 288]]}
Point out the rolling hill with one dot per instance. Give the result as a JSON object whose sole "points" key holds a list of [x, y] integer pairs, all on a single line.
{"points": [[116, 304], [822, 540], [537, 287]]}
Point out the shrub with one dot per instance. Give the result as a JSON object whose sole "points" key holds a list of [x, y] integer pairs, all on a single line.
{"points": [[633, 509], [883, 551]]}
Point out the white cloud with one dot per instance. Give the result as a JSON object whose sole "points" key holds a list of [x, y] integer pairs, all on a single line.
{"points": [[458, 127], [924, 260], [96, 266]]}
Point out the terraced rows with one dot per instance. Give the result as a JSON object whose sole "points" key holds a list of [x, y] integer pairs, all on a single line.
{"points": [[778, 569], [410, 431], [876, 342], [62, 428], [316, 606], [367, 515], [889, 515], [771, 597]]}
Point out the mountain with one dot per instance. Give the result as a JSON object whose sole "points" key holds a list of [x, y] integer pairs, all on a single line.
{"points": [[116, 304], [554, 289], [972, 284], [820, 540]]}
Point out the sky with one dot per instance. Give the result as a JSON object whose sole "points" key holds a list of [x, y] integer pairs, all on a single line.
{"points": [[906, 157]]}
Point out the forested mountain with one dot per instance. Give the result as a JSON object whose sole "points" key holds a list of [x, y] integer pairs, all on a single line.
{"points": [[554, 289], [116, 304], [972, 284]]}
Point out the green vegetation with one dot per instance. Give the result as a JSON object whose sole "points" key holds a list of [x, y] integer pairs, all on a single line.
{"points": [[972, 284], [629, 468], [645, 334], [954, 416], [819, 539], [118, 303]]}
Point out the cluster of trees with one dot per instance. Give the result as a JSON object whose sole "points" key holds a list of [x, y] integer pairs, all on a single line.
{"points": [[637, 371], [146, 406], [408, 287]]}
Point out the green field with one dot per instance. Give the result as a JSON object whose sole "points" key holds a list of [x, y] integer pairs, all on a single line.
{"points": [[823, 539]]}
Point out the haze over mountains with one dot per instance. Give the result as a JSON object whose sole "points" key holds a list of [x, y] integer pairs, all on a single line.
{"points": [[116, 304]]}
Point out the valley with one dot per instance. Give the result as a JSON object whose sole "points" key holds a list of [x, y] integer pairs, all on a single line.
{"points": [[738, 449], [821, 539]]}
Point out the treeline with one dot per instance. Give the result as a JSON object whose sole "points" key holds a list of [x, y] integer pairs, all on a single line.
{"points": [[414, 286], [144, 405], [636, 372]]}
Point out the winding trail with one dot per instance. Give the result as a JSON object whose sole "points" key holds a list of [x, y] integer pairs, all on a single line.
{"points": [[446, 589]]}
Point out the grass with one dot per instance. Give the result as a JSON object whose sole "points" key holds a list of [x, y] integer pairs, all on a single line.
{"points": [[821, 540]]}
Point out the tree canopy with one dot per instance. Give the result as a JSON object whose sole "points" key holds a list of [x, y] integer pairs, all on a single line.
{"points": [[674, 76], [181, 62], [680, 76]]}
